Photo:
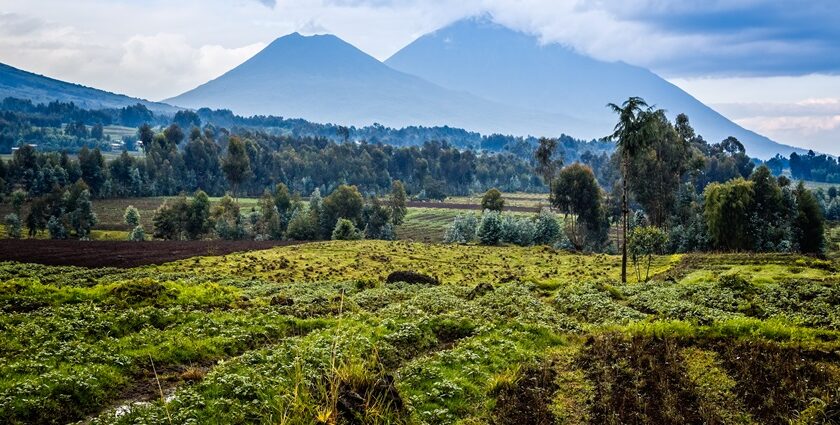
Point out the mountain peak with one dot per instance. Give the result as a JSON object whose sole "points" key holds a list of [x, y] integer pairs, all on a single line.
{"points": [[512, 67], [306, 54]]}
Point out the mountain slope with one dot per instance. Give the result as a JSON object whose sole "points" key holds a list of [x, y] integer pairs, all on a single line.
{"points": [[39, 89], [324, 79], [502, 65]]}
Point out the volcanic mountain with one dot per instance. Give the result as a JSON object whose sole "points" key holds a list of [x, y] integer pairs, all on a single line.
{"points": [[496, 63], [40, 89], [322, 78]]}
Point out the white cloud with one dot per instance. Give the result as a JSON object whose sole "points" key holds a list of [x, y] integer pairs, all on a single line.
{"points": [[820, 132], [166, 63]]}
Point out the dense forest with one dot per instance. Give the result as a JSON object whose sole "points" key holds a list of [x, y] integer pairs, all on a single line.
{"points": [[175, 163]]}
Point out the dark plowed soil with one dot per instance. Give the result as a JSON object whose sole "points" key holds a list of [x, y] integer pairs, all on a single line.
{"points": [[118, 253], [450, 206]]}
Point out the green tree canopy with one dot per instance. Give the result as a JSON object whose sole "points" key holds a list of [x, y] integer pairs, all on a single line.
{"points": [[576, 193], [492, 200], [727, 211], [236, 165], [344, 202], [809, 221], [398, 202]]}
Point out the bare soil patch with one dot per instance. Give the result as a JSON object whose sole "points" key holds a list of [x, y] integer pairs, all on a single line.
{"points": [[477, 207], [121, 254]]}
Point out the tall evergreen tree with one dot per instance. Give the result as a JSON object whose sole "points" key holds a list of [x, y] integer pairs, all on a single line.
{"points": [[398, 203], [630, 135], [809, 222], [236, 165]]}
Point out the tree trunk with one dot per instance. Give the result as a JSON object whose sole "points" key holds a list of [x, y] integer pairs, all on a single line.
{"points": [[624, 224]]}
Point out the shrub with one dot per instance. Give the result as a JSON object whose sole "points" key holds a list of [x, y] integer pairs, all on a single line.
{"points": [[519, 231], [137, 234], [490, 228], [56, 228], [546, 228], [462, 230], [345, 230], [131, 216], [12, 222]]}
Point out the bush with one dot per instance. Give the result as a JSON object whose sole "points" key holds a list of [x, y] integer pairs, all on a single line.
{"points": [[137, 234], [519, 231], [462, 230], [131, 216], [56, 228], [546, 228], [490, 228], [12, 222], [345, 230]]}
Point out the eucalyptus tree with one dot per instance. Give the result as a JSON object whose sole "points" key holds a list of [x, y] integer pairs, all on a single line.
{"points": [[546, 166], [630, 135]]}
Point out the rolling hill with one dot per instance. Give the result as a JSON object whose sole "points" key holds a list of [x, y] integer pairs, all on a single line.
{"points": [[513, 68], [324, 79], [40, 89]]}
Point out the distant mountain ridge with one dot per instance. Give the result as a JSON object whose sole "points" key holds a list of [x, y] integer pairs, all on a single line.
{"points": [[324, 79], [474, 74], [494, 62], [40, 89]]}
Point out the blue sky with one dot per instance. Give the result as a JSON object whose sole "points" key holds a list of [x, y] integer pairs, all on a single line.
{"points": [[772, 66]]}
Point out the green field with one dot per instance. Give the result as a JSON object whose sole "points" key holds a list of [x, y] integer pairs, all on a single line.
{"points": [[515, 199], [314, 334]]}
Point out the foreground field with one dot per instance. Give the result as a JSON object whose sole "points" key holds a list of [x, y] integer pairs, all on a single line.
{"points": [[316, 334]]}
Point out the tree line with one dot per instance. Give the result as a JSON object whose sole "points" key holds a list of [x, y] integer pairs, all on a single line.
{"points": [[216, 162], [58, 126], [682, 193], [665, 190], [342, 215]]}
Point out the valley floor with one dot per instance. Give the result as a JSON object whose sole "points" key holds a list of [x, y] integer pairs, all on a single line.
{"points": [[315, 333]]}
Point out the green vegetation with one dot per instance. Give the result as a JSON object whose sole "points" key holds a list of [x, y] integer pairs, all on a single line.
{"points": [[315, 334]]}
